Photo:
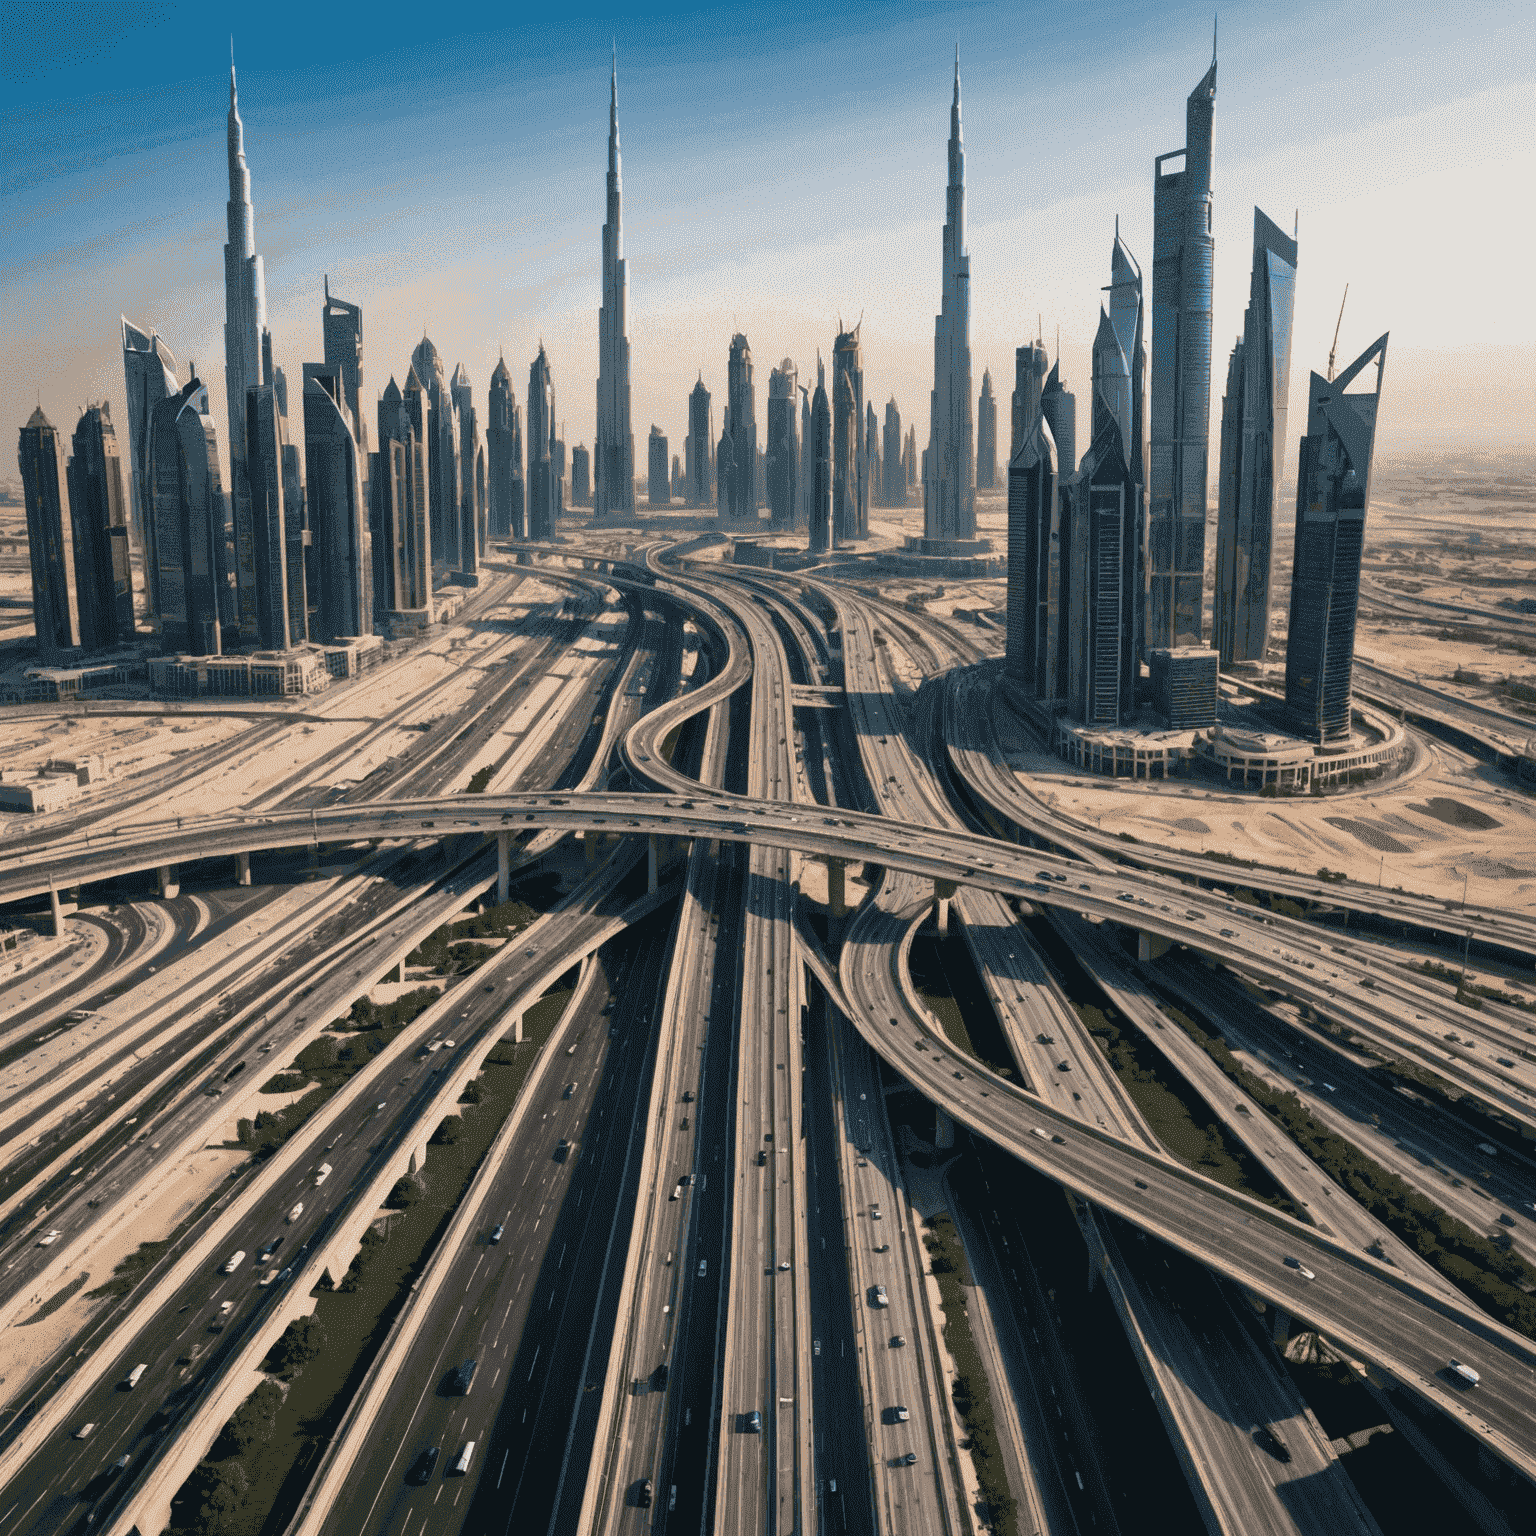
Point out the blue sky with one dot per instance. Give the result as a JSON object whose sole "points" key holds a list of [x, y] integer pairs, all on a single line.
{"points": [[783, 166]]}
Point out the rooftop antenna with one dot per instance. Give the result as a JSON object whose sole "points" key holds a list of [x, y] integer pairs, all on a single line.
{"points": [[1214, 19], [1333, 350]]}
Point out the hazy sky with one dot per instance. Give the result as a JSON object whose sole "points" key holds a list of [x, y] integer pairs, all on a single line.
{"points": [[782, 166]]}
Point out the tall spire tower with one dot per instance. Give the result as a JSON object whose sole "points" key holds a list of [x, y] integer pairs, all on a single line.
{"points": [[949, 490], [614, 449], [245, 343]]}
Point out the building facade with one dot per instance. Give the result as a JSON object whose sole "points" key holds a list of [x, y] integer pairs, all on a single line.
{"points": [[1182, 262], [581, 476], [1060, 411], [1253, 418], [504, 457], [472, 474], [149, 376], [338, 516], [893, 479], [543, 477], [949, 481], [99, 519], [400, 517], [1028, 390], [1333, 493], [850, 505], [986, 435], [1034, 565], [741, 427], [443, 448], [821, 524], [281, 621], [781, 458], [699, 449], [658, 480], [50, 540]]}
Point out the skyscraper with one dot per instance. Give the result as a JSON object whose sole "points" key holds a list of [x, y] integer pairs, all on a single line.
{"points": [[1060, 411], [1253, 413], [338, 517], [850, 509], [1034, 554], [782, 452], [909, 459], [614, 447], [658, 485], [270, 517], [893, 480], [1028, 386], [149, 374], [698, 448], [342, 326], [504, 440], [400, 509], [1182, 256], [442, 453], [191, 524], [949, 483], [246, 349], [871, 460], [1333, 493], [986, 435], [50, 540], [581, 476], [543, 491], [725, 467], [470, 495], [742, 425], [98, 506], [295, 519], [821, 525], [419, 413]]}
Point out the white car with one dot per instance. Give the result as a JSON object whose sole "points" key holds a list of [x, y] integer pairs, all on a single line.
{"points": [[296, 1212], [48, 1239]]}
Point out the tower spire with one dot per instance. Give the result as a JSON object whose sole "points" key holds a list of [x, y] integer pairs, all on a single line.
{"points": [[613, 447]]}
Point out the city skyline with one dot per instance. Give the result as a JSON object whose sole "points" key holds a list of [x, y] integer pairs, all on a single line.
{"points": [[76, 365]]}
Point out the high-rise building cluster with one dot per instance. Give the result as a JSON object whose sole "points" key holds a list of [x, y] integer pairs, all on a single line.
{"points": [[321, 530], [1106, 555]]}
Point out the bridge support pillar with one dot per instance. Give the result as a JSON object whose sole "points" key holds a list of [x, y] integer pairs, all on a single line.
{"points": [[517, 1030], [1279, 1326], [943, 890], [242, 869], [1151, 946], [503, 864], [651, 880], [60, 911], [170, 882], [837, 891], [943, 1130], [589, 843]]}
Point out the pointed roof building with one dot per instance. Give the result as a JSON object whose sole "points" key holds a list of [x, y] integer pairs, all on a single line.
{"points": [[613, 449]]}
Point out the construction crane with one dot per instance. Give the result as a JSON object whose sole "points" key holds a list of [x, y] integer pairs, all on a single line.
{"points": [[1333, 351]]}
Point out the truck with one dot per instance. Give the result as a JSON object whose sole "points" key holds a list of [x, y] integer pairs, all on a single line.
{"points": [[1464, 1374], [234, 1261], [322, 1174]]}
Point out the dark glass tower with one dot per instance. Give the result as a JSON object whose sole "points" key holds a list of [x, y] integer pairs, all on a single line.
{"points": [[699, 448], [1253, 414], [265, 438], [98, 506], [658, 479], [504, 470], [1333, 493], [343, 339], [400, 510], [442, 452], [1060, 410], [821, 468], [543, 481], [471, 492], [50, 540], [1028, 384], [1034, 580], [781, 461], [986, 435], [893, 482], [1182, 257]]}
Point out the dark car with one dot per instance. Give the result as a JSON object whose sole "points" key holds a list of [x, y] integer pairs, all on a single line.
{"points": [[463, 1377], [644, 1493], [1271, 1443], [421, 1468]]}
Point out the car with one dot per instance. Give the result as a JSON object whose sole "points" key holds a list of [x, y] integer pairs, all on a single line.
{"points": [[909, 1460], [1506, 1218], [901, 1413], [296, 1212], [815, 1346], [1140, 1183], [754, 1423], [121, 1464], [877, 1296], [1227, 933], [48, 1239], [570, 1088], [267, 1252], [1063, 1066], [762, 1157], [1124, 896], [703, 1268], [496, 1231], [269, 1277], [783, 1265], [234, 1261], [1046, 1039], [687, 1095], [898, 1340], [1299, 1267], [463, 1377], [644, 1493], [85, 1432], [874, 1213], [286, 1275], [882, 1247], [421, 1468], [562, 1150], [1271, 1444], [1464, 1374], [863, 1162]]}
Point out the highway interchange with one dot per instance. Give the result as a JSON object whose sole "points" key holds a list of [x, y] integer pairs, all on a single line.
{"points": [[655, 1324]]}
